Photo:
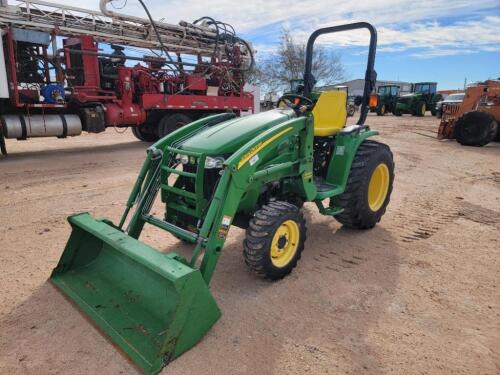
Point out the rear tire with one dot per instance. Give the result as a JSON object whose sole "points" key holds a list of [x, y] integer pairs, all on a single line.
{"points": [[274, 240], [140, 133], [362, 202], [476, 129], [497, 137], [3, 148], [397, 112], [172, 122]]}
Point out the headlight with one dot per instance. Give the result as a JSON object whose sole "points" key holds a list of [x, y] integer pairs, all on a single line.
{"points": [[216, 162], [183, 158]]}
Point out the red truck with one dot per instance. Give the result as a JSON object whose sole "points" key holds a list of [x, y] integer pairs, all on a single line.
{"points": [[64, 70]]}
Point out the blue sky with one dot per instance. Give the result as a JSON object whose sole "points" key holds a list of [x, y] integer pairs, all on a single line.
{"points": [[439, 40]]}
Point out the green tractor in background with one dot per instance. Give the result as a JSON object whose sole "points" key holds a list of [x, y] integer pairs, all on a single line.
{"points": [[387, 97], [423, 98], [253, 172]]}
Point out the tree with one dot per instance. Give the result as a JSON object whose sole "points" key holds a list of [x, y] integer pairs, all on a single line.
{"points": [[288, 62]]}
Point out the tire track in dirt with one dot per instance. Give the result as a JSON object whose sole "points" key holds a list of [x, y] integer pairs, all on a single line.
{"points": [[420, 222], [333, 261]]}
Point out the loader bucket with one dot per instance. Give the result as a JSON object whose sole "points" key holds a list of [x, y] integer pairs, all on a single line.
{"points": [[150, 304]]}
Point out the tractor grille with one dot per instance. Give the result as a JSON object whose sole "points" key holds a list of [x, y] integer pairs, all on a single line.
{"points": [[210, 179], [404, 100], [450, 111], [190, 193], [448, 118]]}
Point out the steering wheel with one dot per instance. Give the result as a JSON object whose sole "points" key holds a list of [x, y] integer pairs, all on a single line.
{"points": [[300, 107]]}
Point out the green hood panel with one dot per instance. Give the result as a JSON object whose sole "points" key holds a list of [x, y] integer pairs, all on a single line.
{"points": [[408, 98], [230, 135]]}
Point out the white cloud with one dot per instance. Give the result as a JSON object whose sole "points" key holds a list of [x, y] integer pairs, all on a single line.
{"points": [[462, 37], [402, 25], [428, 54]]}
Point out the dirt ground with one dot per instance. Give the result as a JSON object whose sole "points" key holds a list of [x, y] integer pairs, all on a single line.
{"points": [[418, 294]]}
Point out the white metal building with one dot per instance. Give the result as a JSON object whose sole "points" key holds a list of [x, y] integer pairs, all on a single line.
{"points": [[356, 86]]}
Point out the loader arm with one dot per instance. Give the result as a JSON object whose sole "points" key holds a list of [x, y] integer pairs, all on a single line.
{"points": [[156, 152]]}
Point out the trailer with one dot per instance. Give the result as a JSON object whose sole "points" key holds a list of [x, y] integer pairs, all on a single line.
{"points": [[65, 70]]}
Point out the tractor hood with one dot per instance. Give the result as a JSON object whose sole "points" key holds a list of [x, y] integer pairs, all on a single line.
{"points": [[411, 95], [228, 136], [408, 98]]}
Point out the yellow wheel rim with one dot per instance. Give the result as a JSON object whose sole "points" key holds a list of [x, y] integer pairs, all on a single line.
{"points": [[379, 186], [382, 110], [423, 110], [285, 243]]}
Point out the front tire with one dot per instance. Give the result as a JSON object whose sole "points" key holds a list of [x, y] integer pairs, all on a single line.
{"points": [[275, 240], [381, 110], [369, 186], [475, 129], [497, 137], [420, 110], [351, 110]]}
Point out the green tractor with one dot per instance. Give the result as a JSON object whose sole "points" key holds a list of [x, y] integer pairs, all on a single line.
{"points": [[422, 99], [387, 96], [253, 172], [296, 86]]}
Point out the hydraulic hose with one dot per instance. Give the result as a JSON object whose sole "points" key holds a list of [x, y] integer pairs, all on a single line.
{"points": [[153, 24]]}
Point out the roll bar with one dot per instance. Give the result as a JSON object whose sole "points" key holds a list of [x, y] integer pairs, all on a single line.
{"points": [[370, 76]]}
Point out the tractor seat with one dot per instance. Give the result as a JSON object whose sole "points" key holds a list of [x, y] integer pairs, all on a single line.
{"points": [[330, 113]]}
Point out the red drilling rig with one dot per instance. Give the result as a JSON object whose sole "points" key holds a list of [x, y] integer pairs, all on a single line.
{"points": [[64, 70]]}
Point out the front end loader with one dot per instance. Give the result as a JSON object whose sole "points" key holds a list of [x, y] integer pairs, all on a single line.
{"points": [[475, 121], [254, 172]]}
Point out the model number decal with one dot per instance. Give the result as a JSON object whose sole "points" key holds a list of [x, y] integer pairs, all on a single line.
{"points": [[254, 159], [254, 150]]}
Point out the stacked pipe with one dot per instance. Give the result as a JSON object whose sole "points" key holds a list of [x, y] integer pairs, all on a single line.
{"points": [[111, 27]]}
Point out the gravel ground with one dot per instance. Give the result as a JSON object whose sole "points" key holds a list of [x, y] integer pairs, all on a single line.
{"points": [[418, 294]]}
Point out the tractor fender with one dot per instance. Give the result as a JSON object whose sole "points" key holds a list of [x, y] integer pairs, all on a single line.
{"points": [[346, 146]]}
